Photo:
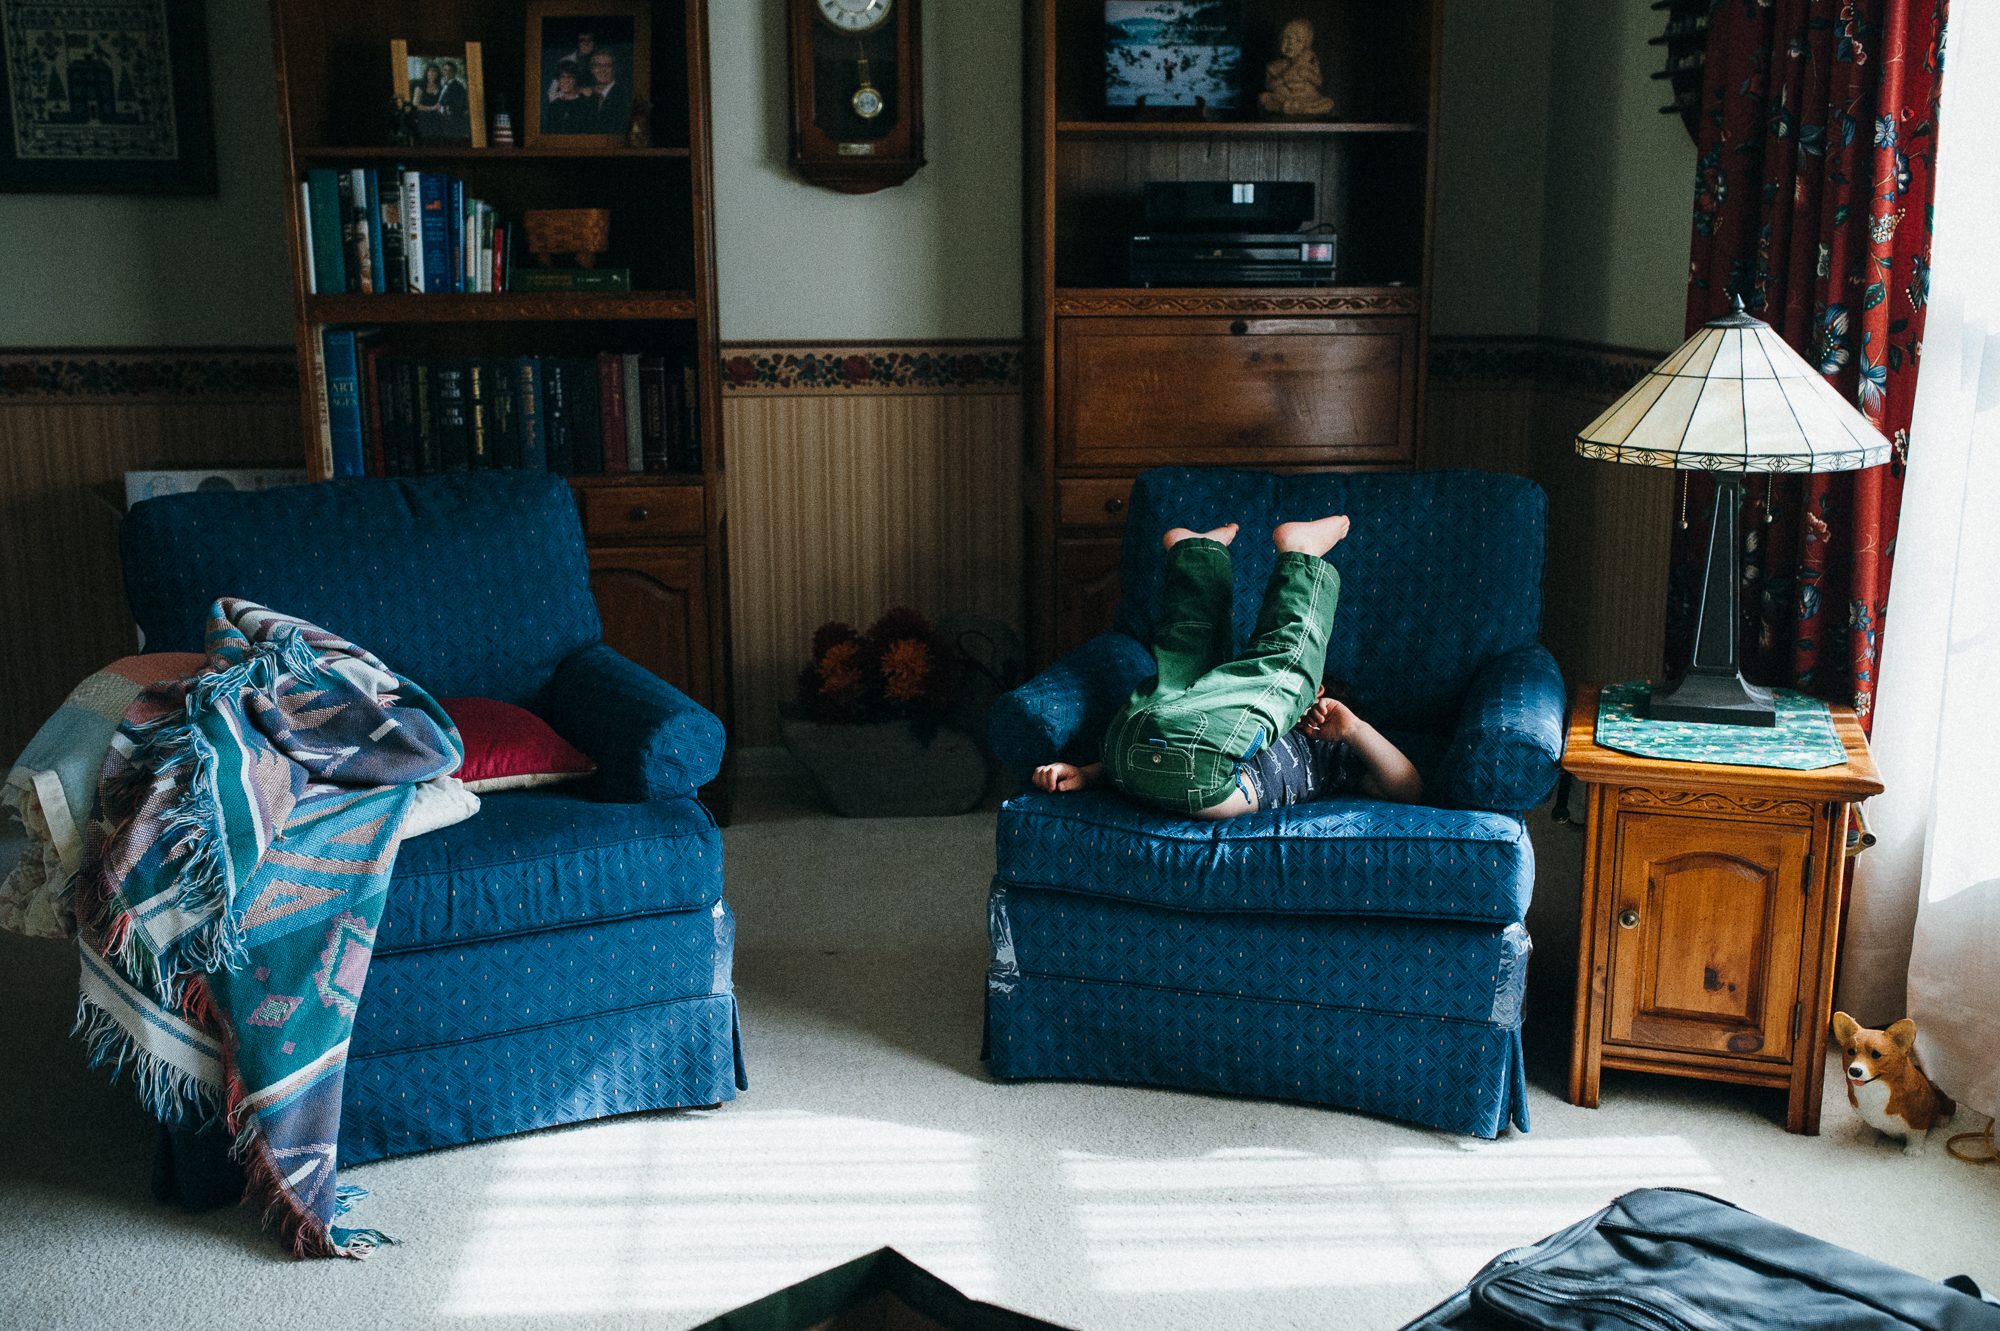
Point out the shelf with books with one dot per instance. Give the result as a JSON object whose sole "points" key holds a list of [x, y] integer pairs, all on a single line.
{"points": [[502, 307], [1226, 129], [652, 516]]}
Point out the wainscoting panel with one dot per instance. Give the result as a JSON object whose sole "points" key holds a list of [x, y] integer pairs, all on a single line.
{"points": [[72, 423], [857, 482]]}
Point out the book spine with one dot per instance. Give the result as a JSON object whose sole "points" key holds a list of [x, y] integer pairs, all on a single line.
{"points": [[328, 260], [357, 204], [528, 407], [455, 232], [479, 423], [503, 236], [555, 413], [505, 419], [343, 403], [316, 343], [424, 398], [389, 196], [486, 247], [586, 439], [403, 434], [306, 238], [454, 430], [371, 412], [413, 231], [343, 186], [653, 412], [635, 449], [437, 233], [691, 419], [611, 409], [370, 185]]}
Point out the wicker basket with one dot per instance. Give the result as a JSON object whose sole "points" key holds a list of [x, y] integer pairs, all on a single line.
{"points": [[580, 233]]}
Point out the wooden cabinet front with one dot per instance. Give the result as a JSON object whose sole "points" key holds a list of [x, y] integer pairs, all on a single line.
{"points": [[1707, 924], [1145, 392], [1087, 572], [654, 603]]}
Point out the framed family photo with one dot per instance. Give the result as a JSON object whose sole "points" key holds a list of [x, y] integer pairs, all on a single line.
{"points": [[442, 93], [105, 98], [589, 66]]}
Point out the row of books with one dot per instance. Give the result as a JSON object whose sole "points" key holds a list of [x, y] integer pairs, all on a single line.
{"points": [[416, 233], [384, 414]]}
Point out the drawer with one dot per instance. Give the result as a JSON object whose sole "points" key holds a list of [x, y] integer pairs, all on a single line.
{"points": [[638, 511], [1247, 392], [1093, 503]]}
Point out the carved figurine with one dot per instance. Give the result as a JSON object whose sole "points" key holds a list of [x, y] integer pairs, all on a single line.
{"points": [[1291, 84]]}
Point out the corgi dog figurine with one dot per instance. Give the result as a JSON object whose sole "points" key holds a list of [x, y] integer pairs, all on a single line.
{"points": [[1886, 1082]]}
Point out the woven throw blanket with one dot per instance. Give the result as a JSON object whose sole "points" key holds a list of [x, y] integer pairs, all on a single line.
{"points": [[248, 820]]}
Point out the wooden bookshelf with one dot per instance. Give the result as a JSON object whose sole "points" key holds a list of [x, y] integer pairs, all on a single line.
{"points": [[658, 541], [1124, 377]]}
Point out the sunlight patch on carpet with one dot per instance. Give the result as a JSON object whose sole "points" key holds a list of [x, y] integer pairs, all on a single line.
{"points": [[710, 1212]]}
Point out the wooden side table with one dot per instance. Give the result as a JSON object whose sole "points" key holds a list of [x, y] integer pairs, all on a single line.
{"points": [[1711, 909]]}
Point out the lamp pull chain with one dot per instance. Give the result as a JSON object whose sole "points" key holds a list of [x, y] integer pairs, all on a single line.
{"points": [[1769, 483], [1684, 501]]}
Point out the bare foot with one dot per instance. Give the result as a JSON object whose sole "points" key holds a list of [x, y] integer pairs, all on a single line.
{"points": [[1175, 536], [1312, 538]]}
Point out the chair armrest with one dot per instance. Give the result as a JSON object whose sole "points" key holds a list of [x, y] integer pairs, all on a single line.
{"points": [[1506, 751], [649, 740], [1062, 712]]}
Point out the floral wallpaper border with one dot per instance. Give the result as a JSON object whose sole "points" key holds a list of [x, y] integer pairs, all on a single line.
{"points": [[842, 368], [146, 374], [1583, 368]]}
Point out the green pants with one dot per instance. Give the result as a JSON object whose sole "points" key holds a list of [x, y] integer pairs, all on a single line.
{"points": [[1177, 741]]}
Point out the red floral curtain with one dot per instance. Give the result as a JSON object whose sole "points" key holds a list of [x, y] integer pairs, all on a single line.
{"points": [[1817, 136]]}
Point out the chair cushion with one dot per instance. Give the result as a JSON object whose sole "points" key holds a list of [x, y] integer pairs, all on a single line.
{"points": [[474, 585], [1338, 856], [1441, 572], [541, 858], [1439, 968], [418, 997]]}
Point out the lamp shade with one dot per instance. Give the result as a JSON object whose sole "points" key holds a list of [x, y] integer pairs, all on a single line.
{"points": [[1735, 398]]}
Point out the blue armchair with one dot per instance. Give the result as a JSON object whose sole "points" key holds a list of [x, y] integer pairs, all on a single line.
{"points": [[1346, 952], [566, 952]]}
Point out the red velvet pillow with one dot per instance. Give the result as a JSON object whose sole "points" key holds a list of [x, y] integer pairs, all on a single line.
{"points": [[508, 746]]}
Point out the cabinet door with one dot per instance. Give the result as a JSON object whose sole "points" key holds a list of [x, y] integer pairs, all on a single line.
{"points": [[1086, 589], [654, 603], [1705, 933], [1146, 392]]}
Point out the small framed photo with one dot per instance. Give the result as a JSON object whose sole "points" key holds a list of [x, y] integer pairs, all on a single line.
{"points": [[1172, 53], [589, 65], [105, 97], [440, 94]]}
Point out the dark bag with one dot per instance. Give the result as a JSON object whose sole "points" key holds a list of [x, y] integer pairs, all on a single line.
{"points": [[1665, 1259]]}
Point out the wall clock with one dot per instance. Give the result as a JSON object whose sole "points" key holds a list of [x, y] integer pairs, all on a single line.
{"points": [[857, 96]]}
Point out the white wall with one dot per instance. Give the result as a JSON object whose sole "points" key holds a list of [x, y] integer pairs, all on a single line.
{"points": [[80, 270], [938, 256]]}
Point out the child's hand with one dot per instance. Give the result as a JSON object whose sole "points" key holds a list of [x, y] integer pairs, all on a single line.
{"points": [[1330, 720], [1059, 776]]}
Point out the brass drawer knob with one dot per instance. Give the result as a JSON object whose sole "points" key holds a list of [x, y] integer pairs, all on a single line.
{"points": [[1114, 505], [639, 513], [1628, 919]]}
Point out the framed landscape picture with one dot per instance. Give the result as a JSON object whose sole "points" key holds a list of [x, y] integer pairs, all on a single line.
{"points": [[105, 98], [589, 65]]}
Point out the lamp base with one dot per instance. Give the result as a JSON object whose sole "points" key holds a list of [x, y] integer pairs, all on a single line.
{"points": [[1711, 697]]}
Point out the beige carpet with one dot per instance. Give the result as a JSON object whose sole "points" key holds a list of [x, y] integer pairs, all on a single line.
{"points": [[870, 1121]]}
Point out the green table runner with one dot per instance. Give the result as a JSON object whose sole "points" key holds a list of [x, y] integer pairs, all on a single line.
{"points": [[1804, 737]]}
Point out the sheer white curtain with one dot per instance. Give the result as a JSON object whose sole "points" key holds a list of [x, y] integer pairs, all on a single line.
{"points": [[1930, 888]]}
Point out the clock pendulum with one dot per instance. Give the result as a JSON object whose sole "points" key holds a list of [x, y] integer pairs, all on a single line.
{"points": [[867, 101]]}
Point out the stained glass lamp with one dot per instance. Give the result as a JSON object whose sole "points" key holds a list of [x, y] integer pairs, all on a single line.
{"points": [[1734, 399]]}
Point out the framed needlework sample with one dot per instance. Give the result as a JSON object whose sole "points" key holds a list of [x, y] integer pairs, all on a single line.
{"points": [[589, 67], [105, 97]]}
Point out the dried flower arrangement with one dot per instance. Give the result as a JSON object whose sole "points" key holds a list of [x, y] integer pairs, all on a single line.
{"points": [[903, 668]]}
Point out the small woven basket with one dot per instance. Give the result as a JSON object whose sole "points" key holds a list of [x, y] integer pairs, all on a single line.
{"points": [[581, 233]]}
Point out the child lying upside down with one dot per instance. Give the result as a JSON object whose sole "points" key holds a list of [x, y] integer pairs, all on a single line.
{"points": [[1214, 737]]}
